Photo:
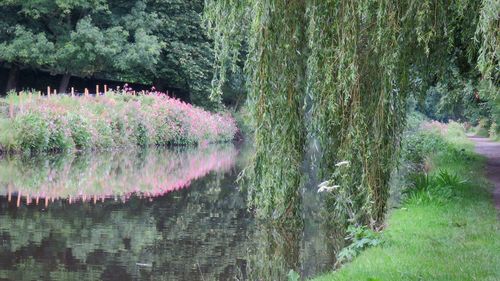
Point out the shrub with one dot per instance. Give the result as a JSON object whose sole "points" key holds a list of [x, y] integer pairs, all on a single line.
{"points": [[80, 131], [8, 136], [32, 132], [103, 134], [360, 238], [482, 128], [430, 140], [448, 140], [414, 120], [164, 134], [494, 131], [142, 135], [119, 132], [59, 134], [420, 144]]}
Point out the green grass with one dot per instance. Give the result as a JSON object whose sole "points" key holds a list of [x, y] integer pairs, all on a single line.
{"points": [[453, 239]]}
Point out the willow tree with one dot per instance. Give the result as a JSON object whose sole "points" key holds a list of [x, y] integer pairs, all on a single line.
{"points": [[276, 70], [353, 60]]}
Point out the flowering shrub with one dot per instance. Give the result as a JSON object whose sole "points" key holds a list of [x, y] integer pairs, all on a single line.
{"points": [[116, 119]]}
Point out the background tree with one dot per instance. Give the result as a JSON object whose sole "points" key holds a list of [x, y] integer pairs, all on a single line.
{"points": [[87, 37], [186, 61], [24, 48], [159, 42]]}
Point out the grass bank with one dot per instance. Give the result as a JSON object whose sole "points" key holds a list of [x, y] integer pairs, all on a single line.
{"points": [[447, 227], [33, 123]]}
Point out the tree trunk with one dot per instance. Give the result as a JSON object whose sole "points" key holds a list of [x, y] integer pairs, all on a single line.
{"points": [[63, 86], [12, 80]]}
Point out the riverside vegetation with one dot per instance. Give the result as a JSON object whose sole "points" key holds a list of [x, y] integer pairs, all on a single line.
{"points": [[116, 119], [446, 228]]}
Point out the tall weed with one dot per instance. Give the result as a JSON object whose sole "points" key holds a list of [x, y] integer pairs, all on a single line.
{"points": [[360, 238]]}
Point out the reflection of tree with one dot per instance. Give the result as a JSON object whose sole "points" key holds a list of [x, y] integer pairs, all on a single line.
{"points": [[274, 252], [202, 229], [323, 238], [99, 176]]}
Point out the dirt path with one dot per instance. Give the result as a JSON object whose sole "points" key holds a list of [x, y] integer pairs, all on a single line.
{"points": [[491, 150]]}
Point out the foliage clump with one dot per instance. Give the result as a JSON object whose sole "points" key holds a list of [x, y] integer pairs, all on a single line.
{"points": [[434, 138], [360, 238], [113, 120]]}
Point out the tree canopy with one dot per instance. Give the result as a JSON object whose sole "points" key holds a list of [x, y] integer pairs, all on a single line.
{"points": [[159, 42]]}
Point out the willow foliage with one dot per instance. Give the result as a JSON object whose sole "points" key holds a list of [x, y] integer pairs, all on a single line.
{"points": [[227, 23], [488, 30], [355, 61], [358, 108]]}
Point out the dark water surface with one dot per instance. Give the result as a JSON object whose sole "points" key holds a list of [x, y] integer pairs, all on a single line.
{"points": [[173, 214]]}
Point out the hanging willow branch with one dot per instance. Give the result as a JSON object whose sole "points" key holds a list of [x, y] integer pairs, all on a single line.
{"points": [[226, 22], [277, 70], [488, 30], [358, 107], [352, 59]]}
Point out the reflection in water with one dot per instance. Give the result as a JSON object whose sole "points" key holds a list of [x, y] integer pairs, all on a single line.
{"points": [[110, 175], [204, 232], [274, 252]]}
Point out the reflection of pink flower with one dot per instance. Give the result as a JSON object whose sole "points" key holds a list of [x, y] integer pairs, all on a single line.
{"points": [[159, 175]]}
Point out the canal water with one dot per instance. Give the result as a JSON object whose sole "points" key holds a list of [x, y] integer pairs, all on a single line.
{"points": [[156, 214]]}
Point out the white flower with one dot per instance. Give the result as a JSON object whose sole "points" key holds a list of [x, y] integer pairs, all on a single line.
{"points": [[327, 188], [342, 163], [325, 183]]}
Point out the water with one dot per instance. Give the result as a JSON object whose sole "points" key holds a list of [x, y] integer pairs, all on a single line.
{"points": [[160, 214]]}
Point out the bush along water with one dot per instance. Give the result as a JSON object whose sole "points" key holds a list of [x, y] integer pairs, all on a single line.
{"points": [[34, 123]]}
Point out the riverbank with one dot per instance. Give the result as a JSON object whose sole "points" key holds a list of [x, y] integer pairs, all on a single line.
{"points": [[30, 122], [447, 229]]}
